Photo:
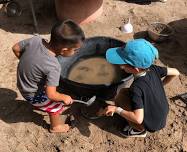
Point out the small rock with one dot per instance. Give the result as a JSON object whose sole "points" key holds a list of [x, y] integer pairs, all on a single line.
{"points": [[184, 113], [180, 103]]}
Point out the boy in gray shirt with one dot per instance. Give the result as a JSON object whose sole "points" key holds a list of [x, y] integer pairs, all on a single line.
{"points": [[38, 71]]}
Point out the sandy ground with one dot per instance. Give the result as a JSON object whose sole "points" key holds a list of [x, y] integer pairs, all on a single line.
{"points": [[24, 130]]}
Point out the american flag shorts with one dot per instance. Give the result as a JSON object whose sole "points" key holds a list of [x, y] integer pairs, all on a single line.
{"points": [[42, 102]]}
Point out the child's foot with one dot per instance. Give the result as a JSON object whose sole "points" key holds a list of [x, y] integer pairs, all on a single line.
{"points": [[60, 129], [130, 132]]}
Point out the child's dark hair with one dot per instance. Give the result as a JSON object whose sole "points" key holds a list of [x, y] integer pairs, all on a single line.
{"points": [[66, 33]]}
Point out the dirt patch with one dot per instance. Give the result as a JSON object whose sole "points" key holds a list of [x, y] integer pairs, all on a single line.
{"points": [[160, 29]]}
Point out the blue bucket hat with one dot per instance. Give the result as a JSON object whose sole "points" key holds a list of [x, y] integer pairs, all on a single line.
{"points": [[138, 53]]}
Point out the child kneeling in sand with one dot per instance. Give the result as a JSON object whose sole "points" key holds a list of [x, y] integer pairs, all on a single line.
{"points": [[144, 104], [38, 71]]}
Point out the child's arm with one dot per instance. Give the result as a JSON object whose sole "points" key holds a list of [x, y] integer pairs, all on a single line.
{"points": [[52, 94], [17, 50], [171, 74], [135, 116]]}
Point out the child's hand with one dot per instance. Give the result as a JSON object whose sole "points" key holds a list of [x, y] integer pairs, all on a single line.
{"points": [[110, 110], [67, 100]]}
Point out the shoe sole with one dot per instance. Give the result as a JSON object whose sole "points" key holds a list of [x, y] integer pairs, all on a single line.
{"points": [[142, 136]]}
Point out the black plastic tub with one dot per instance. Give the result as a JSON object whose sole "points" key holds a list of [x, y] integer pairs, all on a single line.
{"points": [[95, 46]]}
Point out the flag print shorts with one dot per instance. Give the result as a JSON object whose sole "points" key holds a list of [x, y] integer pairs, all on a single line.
{"points": [[42, 102]]}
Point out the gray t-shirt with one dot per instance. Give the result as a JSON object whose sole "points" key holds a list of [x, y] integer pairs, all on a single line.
{"points": [[36, 68]]}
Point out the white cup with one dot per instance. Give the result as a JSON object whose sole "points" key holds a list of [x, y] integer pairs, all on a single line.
{"points": [[127, 28]]}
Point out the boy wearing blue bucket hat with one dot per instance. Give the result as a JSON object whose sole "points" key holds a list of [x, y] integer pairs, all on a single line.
{"points": [[144, 105]]}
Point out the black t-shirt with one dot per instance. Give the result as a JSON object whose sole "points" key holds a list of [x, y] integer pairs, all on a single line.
{"points": [[147, 93]]}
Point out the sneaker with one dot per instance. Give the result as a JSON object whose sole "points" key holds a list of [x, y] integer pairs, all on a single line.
{"points": [[163, 1], [130, 132]]}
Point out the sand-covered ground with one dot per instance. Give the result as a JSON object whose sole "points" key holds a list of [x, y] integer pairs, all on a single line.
{"points": [[23, 129]]}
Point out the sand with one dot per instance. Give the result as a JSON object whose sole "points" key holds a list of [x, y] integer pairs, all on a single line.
{"points": [[23, 129], [94, 70]]}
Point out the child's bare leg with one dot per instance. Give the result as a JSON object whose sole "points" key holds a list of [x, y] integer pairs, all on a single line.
{"points": [[57, 125]]}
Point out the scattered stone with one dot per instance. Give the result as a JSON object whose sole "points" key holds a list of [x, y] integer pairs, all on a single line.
{"points": [[184, 113], [180, 103]]}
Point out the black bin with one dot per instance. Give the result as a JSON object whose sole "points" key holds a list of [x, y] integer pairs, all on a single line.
{"points": [[95, 46]]}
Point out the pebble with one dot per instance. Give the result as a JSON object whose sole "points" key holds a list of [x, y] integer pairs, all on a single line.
{"points": [[180, 103], [184, 113]]}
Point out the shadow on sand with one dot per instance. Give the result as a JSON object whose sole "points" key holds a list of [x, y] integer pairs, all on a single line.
{"points": [[15, 111], [109, 124], [140, 2]]}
